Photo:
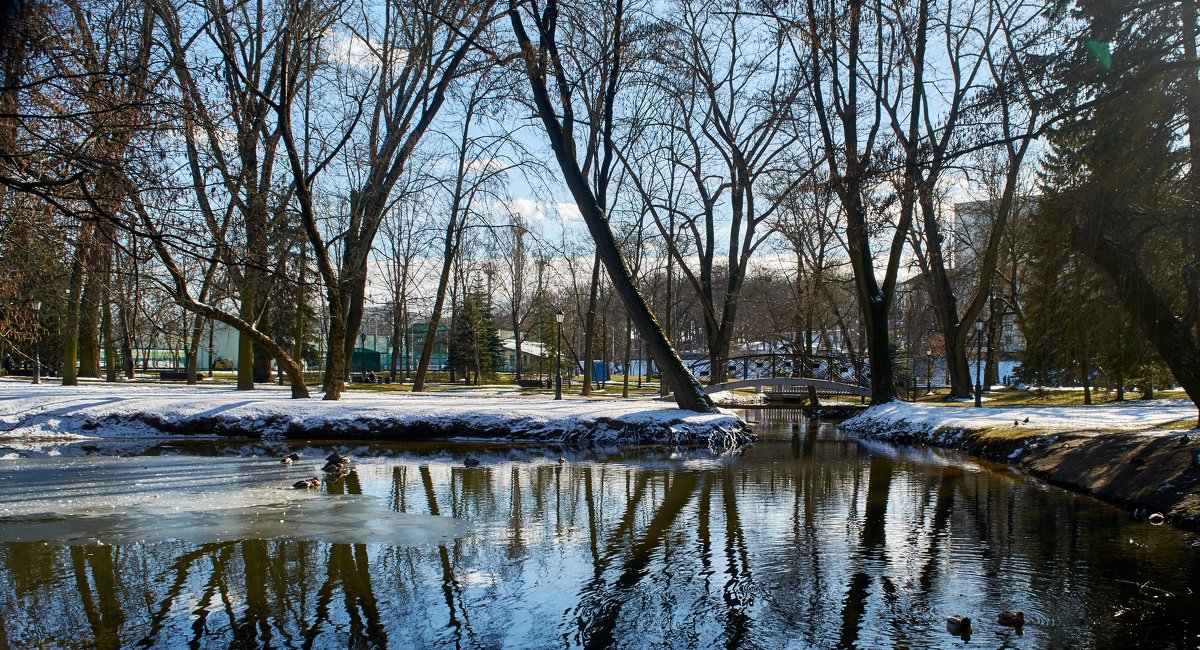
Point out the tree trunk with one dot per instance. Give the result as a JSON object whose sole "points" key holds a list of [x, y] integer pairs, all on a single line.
{"points": [[958, 365], [664, 387], [449, 252], [193, 351], [589, 328], [628, 346], [688, 393], [110, 348], [1170, 337], [335, 353], [126, 342], [89, 320], [70, 336], [245, 353]]}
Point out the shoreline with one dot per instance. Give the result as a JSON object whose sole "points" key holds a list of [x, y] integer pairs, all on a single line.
{"points": [[1145, 470], [29, 412]]}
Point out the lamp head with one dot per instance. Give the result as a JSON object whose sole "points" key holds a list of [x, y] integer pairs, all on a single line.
{"points": [[558, 316], [37, 305]]}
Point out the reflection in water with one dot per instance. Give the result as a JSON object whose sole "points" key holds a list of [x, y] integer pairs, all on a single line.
{"points": [[806, 539]]}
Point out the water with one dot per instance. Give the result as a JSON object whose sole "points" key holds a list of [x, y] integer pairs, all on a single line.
{"points": [[806, 539]]}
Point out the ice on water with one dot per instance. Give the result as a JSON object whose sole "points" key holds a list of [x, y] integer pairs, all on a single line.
{"points": [[109, 500]]}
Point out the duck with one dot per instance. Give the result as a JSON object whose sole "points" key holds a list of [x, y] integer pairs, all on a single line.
{"points": [[562, 461], [333, 468], [470, 462], [1011, 618], [307, 484], [958, 625], [286, 461], [293, 456], [338, 459]]}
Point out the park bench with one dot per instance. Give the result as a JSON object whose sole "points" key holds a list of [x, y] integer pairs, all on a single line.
{"points": [[534, 383], [176, 375]]}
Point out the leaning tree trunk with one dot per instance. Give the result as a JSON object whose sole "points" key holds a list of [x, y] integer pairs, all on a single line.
{"points": [[688, 393], [449, 253], [1171, 337]]}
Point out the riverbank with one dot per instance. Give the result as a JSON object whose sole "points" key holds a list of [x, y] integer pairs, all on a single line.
{"points": [[1142, 456], [29, 412]]}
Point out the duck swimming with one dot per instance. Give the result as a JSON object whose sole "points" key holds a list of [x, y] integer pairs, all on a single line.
{"points": [[338, 459], [1011, 619], [471, 462], [307, 484], [958, 625]]}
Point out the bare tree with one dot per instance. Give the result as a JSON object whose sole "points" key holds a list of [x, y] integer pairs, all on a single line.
{"points": [[544, 65], [731, 91]]}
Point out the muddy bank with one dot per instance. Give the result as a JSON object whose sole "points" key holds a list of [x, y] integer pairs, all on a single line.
{"points": [[1143, 472]]}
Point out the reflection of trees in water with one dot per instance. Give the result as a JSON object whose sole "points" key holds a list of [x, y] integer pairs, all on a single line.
{"points": [[817, 542], [99, 595]]}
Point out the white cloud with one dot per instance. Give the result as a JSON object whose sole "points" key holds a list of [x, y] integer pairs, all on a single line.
{"points": [[568, 211], [357, 52], [528, 208]]}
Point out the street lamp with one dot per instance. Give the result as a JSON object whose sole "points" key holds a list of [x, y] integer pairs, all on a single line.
{"points": [[558, 317], [978, 362], [641, 352], [37, 345]]}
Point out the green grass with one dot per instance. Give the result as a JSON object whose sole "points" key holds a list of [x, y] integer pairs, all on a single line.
{"points": [[1015, 397]]}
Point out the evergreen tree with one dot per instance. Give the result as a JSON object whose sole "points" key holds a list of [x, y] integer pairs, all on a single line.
{"points": [[1117, 168], [475, 347]]}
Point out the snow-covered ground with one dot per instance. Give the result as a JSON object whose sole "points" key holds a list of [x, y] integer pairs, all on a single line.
{"points": [[730, 399], [28, 412], [907, 418]]}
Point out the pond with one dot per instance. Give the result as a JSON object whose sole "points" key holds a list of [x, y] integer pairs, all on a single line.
{"points": [[808, 538]]}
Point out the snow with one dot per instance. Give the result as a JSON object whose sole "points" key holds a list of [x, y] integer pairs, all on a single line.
{"points": [[729, 398], [907, 418], [29, 415]]}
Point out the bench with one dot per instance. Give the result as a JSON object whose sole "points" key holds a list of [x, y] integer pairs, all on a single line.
{"points": [[534, 383], [176, 375]]}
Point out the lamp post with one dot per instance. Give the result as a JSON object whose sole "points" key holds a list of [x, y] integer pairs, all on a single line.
{"points": [[37, 344], [558, 317], [641, 362], [978, 362]]}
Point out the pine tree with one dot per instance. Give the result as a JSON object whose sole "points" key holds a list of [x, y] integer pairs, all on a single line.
{"points": [[475, 347]]}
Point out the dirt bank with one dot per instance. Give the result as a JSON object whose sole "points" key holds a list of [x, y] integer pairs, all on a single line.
{"points": [[1144, 471]]}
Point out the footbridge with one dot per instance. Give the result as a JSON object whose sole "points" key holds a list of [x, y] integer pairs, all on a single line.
{"points": [[792, 388]]}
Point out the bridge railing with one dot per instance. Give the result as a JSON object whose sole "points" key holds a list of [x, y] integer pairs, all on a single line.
{"points": [[838, 368]]}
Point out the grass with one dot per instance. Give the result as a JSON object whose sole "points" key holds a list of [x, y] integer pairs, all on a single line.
{"points": [[613, 387], [1057, 397]]}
